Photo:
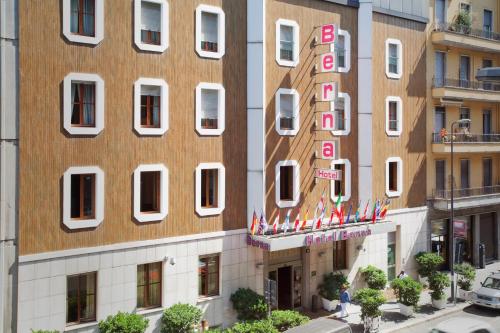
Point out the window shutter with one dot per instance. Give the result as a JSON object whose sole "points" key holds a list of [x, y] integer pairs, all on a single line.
{"points": [[286, 105], [209, 27], [209, 104], [150, 16]]}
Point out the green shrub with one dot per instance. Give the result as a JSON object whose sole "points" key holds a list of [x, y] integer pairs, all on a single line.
{"points": [[180, 318], [286, 319], [124, 323], [215, 330], [437, 282], [259, 326], [249, 305], [463, 22], [330, 287], [466, 276], [407, 291], [43, 331], [370, 301], [374, 277], [428, 263]]}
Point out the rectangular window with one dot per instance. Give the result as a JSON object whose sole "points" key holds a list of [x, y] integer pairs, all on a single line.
{"points": [[439, 118], [487, 23], [208, 276], [464, 114], [440, 177], [393, 176], [82, 196], [487, 172], [340, 184], [83, 104], [286, 111], [340, 50], [150, 23], [464, 174], [339, 114], [393, 59], [150, 191], [440, 12], [464, 71], [149, 278], [286, 43], [340, 255], [209, 32], [81, 298], [487, 63], [286, 182], [393, 116], [209, 108], [440, 69], [82, 20], [209, 190], [150, 106]]}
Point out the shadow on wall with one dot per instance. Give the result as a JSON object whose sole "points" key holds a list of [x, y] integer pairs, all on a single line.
{"points": [[417, 192]]}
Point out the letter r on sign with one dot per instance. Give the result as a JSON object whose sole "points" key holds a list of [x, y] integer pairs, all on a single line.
{"points": [[328, 91]]}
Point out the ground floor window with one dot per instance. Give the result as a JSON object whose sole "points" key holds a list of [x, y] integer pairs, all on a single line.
{"points": [[149, 285], [340, 255], [391, 256], [81, 298], [439, 238], [208, 276]]}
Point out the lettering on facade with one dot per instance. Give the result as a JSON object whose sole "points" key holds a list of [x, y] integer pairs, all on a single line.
{"points": [[257, 243], [336, 236]]}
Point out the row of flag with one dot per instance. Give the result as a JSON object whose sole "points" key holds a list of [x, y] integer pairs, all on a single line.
{"points": [[378, 212]]}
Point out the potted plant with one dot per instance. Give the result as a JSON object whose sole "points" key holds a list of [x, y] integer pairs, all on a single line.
{"points": [[407, 292], [375, 277], [437, 282], [370, 301], [466, 276], [329, 290], [463, 22], [428, 263]]}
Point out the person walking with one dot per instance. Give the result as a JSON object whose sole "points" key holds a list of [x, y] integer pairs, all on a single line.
{"points": [[402, 275], [345, 298]]}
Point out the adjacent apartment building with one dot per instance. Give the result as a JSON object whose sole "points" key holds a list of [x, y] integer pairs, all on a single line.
{"points": [[461, 39]]}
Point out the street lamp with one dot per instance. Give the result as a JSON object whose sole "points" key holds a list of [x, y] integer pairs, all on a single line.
{"points": [[453, 296]]}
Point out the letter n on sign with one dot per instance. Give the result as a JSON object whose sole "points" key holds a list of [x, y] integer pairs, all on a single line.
{"points": [[328, 62], [328, 150], [327, 121]]}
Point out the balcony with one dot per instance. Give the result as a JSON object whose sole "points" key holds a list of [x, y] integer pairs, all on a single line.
{"points": [[466, 143], [452, 34], [467, 198], [459, 90]]}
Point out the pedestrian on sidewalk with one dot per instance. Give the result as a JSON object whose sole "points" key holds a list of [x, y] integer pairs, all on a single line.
{"points": [[345, 298], [402, 275]]}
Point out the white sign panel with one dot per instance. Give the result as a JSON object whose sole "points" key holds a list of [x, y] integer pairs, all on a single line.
{"points": [[329, 91], [328, 62], [328, 174], [328, 34], [328, 150], [327, 121]]}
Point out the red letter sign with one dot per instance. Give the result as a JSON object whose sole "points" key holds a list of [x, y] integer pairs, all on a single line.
{"points": [[328, 34], [327, 121], [328, 91], [328, 150], [328, 62]]}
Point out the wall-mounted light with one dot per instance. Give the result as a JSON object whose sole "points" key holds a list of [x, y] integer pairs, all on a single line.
{"points": [[170, 260]]}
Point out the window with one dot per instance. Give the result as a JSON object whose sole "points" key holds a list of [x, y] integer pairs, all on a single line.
{"points": [[339, 255], [394, 58], [287, 43], [344, 185], [464, 114], [439, 118], [487, 23], [440, 12], [440, 69], [394, 115], [151, 25], [83, 197], [150, 192], [464, 72], [210, 108], [287, 188], [393, 176], [83, 104], [343, 50], [83, 21], [151, 106], [440, 177], [487, 172], [81, 298], [149, 279], [342, 110], [287, 111], [210, 189], [210, 31], [208, 275]]}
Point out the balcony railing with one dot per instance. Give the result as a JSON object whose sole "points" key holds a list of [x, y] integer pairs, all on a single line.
{"points": [[465, 30], [465, 138], [466, 192], [464, 84]]}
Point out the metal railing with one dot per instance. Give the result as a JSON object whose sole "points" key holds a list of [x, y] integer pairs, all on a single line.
{"points": [[466, 192], [467, 30], [441, 82], [465, 138]]}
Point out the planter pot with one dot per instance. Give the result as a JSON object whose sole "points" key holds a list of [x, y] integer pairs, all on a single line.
{"points": [[423, 280], [371, 324], [405, 310], [329, 305], [466, 295], [439, 304]]}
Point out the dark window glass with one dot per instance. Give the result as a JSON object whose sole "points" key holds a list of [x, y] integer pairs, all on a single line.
{"points": [[83, 104], [150, 191], [208, 276], [340, 255], [209, 187], [286, 182], [393, 116], [149, 278], [393, 176], [81, 298], [340, 184], [82, 21], [82, 196], [150, 111]]}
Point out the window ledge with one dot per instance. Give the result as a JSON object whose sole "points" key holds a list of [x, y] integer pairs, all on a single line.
{"points": [[393, 194], [208, 298], [149, 311], [393, 133], [79, 326]]}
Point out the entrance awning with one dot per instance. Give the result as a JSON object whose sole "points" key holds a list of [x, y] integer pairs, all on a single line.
{"points": [[292, 240]]}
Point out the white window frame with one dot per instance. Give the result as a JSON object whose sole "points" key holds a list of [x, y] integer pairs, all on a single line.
{"points": [[296, 184], [397, 42], [296, 34], [295, 111], [149, 217], [221, 32], [165, 19], [347, 114], [221, 116], [98, 21], [347, 48], [164, 114], [347, 180], [399, 161], [98, 197], [221, 203], [99, 103], [399, 109]]}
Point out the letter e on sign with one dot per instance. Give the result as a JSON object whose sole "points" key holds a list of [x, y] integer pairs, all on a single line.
{"points": [[328, 62], [328, 34], [328, 150], [327, 121], [328, 91]]}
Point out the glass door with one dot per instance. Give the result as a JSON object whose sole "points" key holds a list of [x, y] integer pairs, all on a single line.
{"points": [[439, 239], [440, 69], [464, 176], [439, 119], [440, 13], [487, 174], [487, 23], [391, 256], [464, 71], [440, 177]]}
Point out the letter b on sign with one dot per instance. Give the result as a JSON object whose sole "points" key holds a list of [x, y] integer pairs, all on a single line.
{"points": [[328, 62], [328, 34]]}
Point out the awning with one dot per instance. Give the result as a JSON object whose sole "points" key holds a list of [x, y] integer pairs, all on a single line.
{"points": [[292, 240], [489, 74]]}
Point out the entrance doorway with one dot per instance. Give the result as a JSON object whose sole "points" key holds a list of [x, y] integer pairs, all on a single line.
{"points": [[487, 234], [391, 256], [289, 286]]}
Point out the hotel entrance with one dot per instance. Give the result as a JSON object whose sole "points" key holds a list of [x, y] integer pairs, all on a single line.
{"points": [[285, 267]]}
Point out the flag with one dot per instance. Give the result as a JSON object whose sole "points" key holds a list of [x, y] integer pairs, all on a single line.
{"points": [[304, 222], [263, 226], [379, 208], [384, 209], [341, 215], [374, 213], [319, 222], [254, 223], [276, 223], [331, 216], [286, 224], [348, 214], [319, 209], [296, 226], [356, 216], [363, 218]]}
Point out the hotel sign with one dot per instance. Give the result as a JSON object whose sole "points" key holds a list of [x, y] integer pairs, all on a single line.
{"points": [[328, 150], [328, 174], [336, 236], [329, 34]]}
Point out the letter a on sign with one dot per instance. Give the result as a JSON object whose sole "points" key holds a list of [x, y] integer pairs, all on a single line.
{"points": [[328, 62], [328, 91], [327, 121], [328, 150], [328, 32]]}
